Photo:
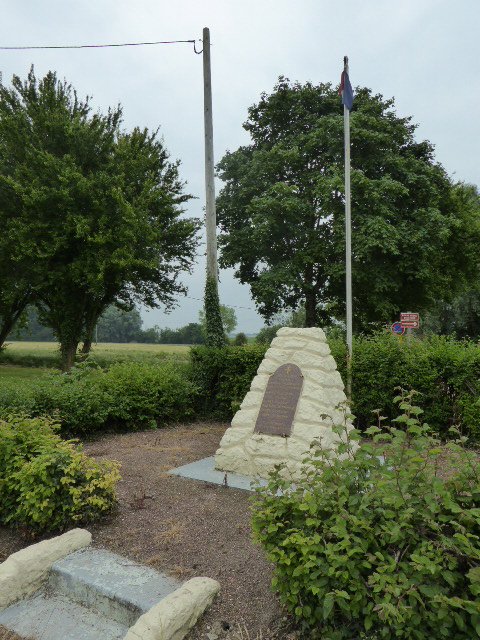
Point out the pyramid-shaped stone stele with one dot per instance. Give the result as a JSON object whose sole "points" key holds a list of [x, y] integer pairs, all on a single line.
{"points": [[293, 400]]}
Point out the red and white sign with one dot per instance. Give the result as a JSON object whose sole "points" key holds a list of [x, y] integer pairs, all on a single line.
{"points": [[410, 320]]}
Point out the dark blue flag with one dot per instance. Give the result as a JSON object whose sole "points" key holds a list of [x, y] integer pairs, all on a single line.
{"points": [[346, 90]]}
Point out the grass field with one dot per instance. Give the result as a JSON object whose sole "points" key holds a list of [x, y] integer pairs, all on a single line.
{"points": [[46, 354], [13, 372]]}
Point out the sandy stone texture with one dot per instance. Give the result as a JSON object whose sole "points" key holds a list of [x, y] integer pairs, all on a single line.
{"points": [[24, 571], [319, 407]]}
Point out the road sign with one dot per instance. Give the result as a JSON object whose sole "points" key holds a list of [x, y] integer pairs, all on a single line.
{"points": [[410, 320], [398, 329]]}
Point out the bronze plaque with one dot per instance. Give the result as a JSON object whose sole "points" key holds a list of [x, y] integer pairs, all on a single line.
{"points": [[280, 401]]}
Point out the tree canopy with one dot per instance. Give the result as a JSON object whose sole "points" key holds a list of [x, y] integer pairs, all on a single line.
{"points": [[281, 211], [93, 212]]}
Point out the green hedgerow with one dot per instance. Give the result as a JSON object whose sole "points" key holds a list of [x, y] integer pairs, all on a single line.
{"points": [[47, 483], [383, 543]]}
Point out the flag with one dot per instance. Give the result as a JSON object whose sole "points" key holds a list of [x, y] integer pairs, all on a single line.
{"points": [[346, 90]]}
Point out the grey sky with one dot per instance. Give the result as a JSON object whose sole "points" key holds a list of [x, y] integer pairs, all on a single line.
{"points": [[425, 53]]}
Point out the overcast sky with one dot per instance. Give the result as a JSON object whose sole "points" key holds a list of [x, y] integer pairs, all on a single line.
{"points": [[425, 53]]}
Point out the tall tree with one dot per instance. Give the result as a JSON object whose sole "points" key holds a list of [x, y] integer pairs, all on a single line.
{"points": [[281, 211], [103, 207]]}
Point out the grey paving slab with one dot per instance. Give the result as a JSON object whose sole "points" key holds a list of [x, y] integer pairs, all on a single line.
{"points": [[115, 586], [55, 617], [205, 470]]}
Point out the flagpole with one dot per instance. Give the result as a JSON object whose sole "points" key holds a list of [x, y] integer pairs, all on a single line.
{"points": [[348, 242]]}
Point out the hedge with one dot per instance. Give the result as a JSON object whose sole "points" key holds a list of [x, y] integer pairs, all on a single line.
{"points": [[213, 384], [223, 376], [127, 396], [445, 371]]}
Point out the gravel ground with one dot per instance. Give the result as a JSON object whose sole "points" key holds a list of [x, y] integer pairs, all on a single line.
{"points": [[185, 528]]}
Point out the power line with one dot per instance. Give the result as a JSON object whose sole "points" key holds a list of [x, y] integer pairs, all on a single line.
{"points": [[101, 46]]}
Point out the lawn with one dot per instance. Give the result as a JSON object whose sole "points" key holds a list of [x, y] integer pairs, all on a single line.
{"points": [[11, 372], [46, 354]]}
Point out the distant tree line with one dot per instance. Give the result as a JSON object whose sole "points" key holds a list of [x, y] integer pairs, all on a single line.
{"points": [[125, 326]]}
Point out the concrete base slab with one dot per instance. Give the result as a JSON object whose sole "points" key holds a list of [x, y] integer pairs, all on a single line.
{"points": [[56, 617], [205, 470]]}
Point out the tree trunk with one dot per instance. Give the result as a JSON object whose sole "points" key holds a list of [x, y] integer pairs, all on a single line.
{"points": [[68, 352], [310, 309], [10, 320], [87, 345], [91, 323], [4, 331]]}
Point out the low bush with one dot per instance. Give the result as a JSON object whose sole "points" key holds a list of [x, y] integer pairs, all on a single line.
{"points": [[127, 396], [365, 548], [223, 376], [149, 395], [445, 371], [47, 483]]}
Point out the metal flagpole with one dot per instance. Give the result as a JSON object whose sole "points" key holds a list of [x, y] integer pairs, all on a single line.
{"points": [[348, 237]]}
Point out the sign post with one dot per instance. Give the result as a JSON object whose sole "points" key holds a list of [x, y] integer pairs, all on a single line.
{"points": [[397, 329], [410, 320]]}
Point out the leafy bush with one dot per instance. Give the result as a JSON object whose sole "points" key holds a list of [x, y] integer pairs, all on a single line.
{"points": [[223, 377], [127, 396], [370, 549], [149, 395], [47, 483], [445, 371]]}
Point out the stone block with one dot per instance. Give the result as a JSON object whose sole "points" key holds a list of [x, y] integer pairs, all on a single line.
{"points": [[25, 571]]}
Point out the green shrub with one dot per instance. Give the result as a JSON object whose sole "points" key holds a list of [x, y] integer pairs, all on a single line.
{"points": [[144, 395], [369, 549], [16, 396], [445, 371], [79, 400], [132, 395], [223, 377], [47, 483]]}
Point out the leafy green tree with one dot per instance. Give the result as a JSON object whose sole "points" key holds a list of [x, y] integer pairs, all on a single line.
{"points": [[100, 209], [150, 336], [189, 334], [281, 211], [119, 325], [461, 316], [228, 317], [240, 339]]}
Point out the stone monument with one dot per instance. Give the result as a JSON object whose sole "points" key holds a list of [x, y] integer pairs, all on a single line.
{"points": [[293, 400]]}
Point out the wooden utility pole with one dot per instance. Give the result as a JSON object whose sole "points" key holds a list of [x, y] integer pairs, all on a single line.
{"points": [[210, 212]]}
